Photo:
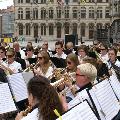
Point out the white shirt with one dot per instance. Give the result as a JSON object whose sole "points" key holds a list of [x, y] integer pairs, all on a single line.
{"points": [[32, 116], [15, 67], [63, 55], [104, 58]]}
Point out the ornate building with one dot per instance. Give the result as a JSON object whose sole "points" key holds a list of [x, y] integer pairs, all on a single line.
{"points": [[51, 21]]}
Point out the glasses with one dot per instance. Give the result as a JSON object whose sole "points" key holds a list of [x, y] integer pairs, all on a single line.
{"points": [[1, 52], [68, 62], [40, 58], [9, 56]]}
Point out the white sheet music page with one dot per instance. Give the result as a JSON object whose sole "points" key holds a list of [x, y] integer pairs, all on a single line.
{"points": [[115, 85], [80, 112], [27, 76], [18, 86], [6, 100], [109, 105]]}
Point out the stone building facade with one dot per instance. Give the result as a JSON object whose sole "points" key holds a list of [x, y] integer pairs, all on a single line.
{"points": [[50, 21]]}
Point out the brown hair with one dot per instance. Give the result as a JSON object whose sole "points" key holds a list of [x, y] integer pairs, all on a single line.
{"points": [[46, 96], [83, 47]]}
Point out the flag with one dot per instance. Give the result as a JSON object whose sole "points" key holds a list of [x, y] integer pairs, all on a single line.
{"points": [[60, 2]]}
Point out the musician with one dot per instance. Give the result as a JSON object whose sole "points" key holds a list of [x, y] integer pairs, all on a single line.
{"points": [[85, 75], [59, 50], [12, 66], [44, 67], [43, 100], [2, 53], [82, 52]]}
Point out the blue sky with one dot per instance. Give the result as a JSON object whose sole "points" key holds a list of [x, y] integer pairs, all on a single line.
{"points": [[5, 3]]}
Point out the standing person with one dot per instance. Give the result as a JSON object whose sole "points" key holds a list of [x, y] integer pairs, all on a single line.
{"points": [[43, 100]]}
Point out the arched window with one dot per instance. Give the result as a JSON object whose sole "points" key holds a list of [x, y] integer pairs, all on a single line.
{"points": [[59, 12], [51, 29], [43, 29], [35, 30], [91, 31], [75, 12], [91, 12], [27, 29], [20, 13], [107, 25], [74, 28], [67, 26], [51, 13], [27, 13], [99, 12], [43, 13], [99, 25], [20, 27], [35, 13], [83, 29], [83, 12], [59, 28]]}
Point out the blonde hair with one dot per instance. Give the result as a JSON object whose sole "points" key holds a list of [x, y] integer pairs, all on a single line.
{"points": [[88, 70]]}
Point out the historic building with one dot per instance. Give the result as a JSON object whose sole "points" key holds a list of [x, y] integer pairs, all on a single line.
{"points": [[52, 19]]}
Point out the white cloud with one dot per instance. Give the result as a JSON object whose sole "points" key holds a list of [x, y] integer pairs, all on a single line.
{"points": [[5, 3]]}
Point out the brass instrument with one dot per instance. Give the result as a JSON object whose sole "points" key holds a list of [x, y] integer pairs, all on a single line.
{"points": [[25, 112], [29, 68]]}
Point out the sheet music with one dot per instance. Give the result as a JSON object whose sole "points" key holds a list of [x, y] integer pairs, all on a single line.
{"points": [[6, 100], [27, 76], [115, 85], [81, 96], [80, 112], [105, 100], [18, 86]]}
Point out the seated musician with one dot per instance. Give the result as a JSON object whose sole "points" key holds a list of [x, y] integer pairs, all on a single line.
{"points": [[12, 66], [43, 100], [43, 66]]}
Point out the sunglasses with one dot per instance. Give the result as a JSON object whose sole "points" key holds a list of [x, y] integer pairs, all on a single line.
{"points": [[79, 74], [9, 56], [40, 58], [68, 62]]}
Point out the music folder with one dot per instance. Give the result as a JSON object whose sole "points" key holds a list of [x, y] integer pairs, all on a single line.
{"points": [[6, 101], [105, 100], [18, 86], [81, 111]]}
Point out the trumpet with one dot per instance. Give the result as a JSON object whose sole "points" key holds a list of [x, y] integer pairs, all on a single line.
{"points": [[26, 111], [29, 68]]}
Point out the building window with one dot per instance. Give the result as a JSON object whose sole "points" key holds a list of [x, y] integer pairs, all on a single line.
{"points": [[59, 12], [27, 1], [20, 13], [35, 1], [27, 29], [107, 25], [91, 1], [99, 25], [20, 1], [83, 29], [99, 1], [27, 13], [91, 31], [35, 30], [35, 13], [51, 13], [43, 1], [91, 12], [20, 26], [43, 29], [51, 29], [67, 25], [66, 12], [99, 12], [59, 30], [107, 12], [83, 12], [74, 13], [43, 13], [75, 0], [74, 28]]}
